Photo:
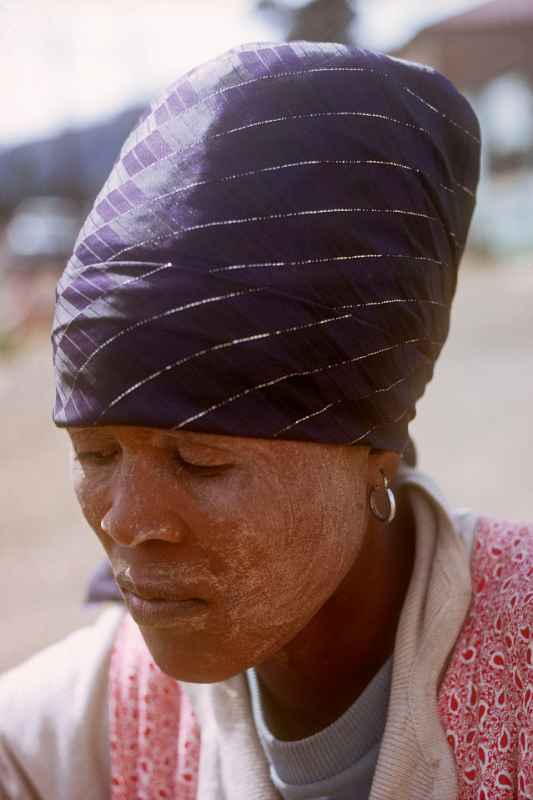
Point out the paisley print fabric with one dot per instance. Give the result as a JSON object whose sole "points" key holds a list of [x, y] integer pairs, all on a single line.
{"points": [[486, 699]]}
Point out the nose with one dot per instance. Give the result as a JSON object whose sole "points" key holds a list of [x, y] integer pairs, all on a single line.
{"points": [[144, 504]]}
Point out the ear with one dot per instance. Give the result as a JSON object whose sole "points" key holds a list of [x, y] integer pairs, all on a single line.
{"points": [[386, 460]]}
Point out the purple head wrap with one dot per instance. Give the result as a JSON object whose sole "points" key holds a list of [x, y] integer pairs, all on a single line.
{"points": [[275, 251]]}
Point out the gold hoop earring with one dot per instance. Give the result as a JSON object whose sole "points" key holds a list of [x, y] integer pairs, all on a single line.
{"points": [[382, 501]]}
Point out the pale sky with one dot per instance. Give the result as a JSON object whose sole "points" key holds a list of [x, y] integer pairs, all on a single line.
{"points": [[68, 62]]}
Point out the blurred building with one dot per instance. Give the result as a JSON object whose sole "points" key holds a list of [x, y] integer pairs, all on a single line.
{"points": [[487, 52], [479, 45]]}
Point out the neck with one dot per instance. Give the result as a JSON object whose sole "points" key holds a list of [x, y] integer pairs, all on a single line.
{"points": [[323, 670]]}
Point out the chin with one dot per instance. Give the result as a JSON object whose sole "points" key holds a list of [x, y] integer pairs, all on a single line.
{"points": [[186, 663]]}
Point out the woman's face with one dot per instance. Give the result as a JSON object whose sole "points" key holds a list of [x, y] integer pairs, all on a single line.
{"points": [[261, 531]]}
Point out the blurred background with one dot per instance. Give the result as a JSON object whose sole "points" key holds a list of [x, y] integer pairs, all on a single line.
{"points": [[74, 76]]}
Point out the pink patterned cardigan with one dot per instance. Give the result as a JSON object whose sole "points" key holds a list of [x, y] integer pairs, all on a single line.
{"points": [[485, 701]]}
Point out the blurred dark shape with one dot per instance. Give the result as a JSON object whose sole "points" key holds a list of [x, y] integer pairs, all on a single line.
{"points": [[102, 587], [324, 20], [73, 164], [318, 20], [42, 229], [476, 46], [410, 454]]}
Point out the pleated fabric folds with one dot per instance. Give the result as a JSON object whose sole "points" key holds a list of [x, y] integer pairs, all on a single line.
{"points": [[275, 251]]}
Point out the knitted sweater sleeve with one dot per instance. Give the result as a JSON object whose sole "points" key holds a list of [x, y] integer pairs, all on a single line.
{"points": [[53, 718]]}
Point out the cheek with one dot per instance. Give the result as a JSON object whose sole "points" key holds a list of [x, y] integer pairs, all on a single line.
{"points": [[288, 560], [314, 553]]}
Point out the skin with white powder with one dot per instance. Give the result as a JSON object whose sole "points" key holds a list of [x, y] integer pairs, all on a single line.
{"points": [[300, 579]]}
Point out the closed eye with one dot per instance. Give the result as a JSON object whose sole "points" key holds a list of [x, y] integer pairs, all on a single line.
{"points": [[204, 469]]}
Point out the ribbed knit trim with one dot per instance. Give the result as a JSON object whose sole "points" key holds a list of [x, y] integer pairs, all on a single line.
{"points": [[335, 748]]}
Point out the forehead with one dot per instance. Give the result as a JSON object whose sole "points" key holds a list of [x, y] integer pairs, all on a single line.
{"points": [[139, 435], [298, 454]]}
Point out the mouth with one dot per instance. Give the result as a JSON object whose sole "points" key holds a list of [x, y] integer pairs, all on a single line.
{"points": [[165, 613], [159, 603]]}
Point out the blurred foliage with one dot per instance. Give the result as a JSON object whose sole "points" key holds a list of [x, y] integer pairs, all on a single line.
{"points": [[318, 20]]}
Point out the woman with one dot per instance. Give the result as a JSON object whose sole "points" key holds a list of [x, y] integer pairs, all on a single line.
{"points": [[252, 310]]}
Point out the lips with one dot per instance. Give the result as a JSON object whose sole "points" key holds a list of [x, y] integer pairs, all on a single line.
{"points": [[154, 588], [167, 613], [157, 591], [156, 601]]}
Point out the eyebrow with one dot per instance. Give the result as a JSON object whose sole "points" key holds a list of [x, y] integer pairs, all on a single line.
{"points": [[182, 437], [179, 436]]}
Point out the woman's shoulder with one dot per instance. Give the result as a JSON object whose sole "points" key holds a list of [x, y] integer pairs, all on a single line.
{"points": [[472, 526], [502, 576], [499, 537], [503, 537], [53, 714]]}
